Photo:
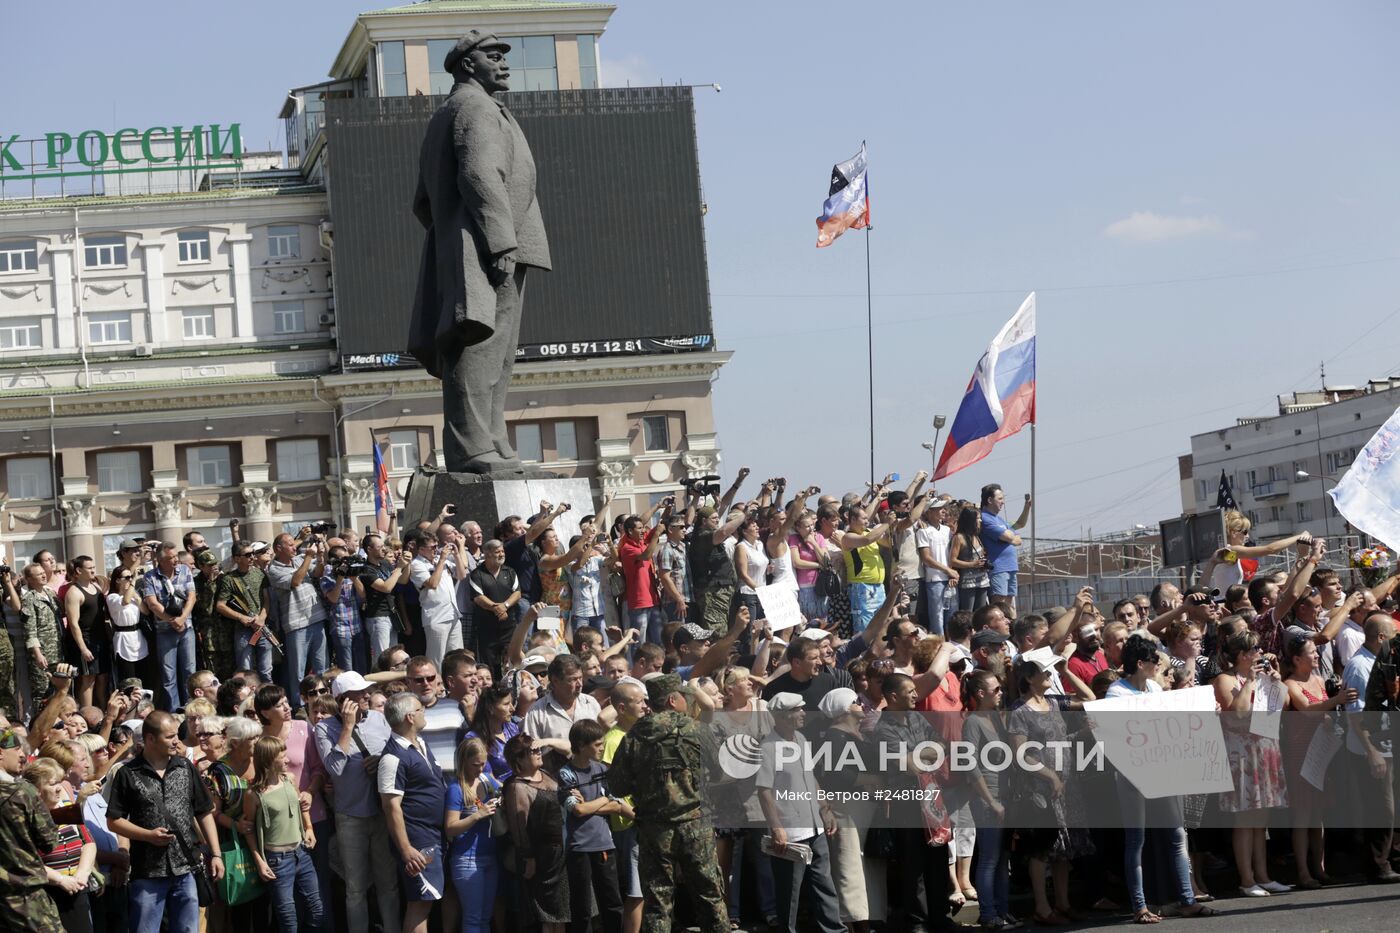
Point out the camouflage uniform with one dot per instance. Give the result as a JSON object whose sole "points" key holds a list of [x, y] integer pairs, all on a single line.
{"points": [[9, 689], [26, 829], [40, 611], [663, 763], [214, 632]]}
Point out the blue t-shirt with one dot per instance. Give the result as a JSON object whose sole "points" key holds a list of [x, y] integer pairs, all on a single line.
{"points": [[1000, 555], [590, 834], [477, 842]]}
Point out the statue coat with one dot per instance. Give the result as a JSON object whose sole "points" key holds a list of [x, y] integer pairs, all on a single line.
{"points": [[476, 197]]}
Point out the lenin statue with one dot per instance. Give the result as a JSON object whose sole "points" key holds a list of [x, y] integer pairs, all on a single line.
{"points": [[476, 197]]}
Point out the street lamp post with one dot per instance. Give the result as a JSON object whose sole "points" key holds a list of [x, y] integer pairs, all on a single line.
{"points": [[938, 422]]}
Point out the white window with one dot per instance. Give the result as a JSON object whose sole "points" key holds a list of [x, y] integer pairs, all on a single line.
{"points": [[299, 459], [104, 252], [1205, 488], [119, 471], [20, 334], [194, 246], [1250, 480], [199, 323], [109, 327], [19, 256], [209, 466], [439, 81], [527, 442], [393, 75], [655, 433], [29, 478], [23, 552], [288, 317], [565, 440], [284, 242], [219, 539], [1304, 511], [403, 450]]}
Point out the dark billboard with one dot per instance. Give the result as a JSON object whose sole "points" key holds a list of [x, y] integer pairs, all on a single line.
{"points": [[619, 188]]}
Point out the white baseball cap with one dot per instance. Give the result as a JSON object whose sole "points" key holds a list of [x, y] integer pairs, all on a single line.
{"points": [[348, 682]]}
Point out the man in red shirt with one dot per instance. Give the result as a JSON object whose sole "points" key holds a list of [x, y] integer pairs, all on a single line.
{"points": [[635, 551], [1088, 658]]}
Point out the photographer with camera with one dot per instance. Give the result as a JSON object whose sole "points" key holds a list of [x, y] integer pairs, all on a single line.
{"points": [[384, 570], [435, 574], [344, 593], [168, 593], [299, 604]]}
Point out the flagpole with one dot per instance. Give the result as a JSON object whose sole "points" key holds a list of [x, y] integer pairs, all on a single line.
{"points": [[1031, 602], [870, 347]]}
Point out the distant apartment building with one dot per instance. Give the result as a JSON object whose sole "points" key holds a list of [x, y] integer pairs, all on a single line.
{"points": [[1316, 433]]}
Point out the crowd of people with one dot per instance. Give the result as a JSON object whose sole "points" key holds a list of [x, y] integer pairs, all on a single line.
{"points": [[444, 730]]}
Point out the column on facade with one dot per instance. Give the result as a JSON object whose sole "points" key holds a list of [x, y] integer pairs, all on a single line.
{"points": [[617, 469], [258, 496], [356, 492], [65, 322], [154, 262], [242, 285], [701, 456], [77, 504], [167, 501]]}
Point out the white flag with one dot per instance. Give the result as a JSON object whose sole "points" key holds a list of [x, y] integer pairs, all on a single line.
{"points": [[1369, 494]]}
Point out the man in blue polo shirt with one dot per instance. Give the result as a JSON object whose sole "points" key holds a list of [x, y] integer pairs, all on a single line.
{"points": [[1001, 541], [413, 794]]}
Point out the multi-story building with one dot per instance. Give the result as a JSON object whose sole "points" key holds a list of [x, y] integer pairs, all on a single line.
{"points": [[170, 356], [1280, 467]]}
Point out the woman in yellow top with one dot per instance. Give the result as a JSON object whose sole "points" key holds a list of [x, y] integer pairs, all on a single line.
{"points": [[280, 837], [865, 567]]}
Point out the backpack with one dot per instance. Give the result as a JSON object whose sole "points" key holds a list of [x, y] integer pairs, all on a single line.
{"points": [[828, 583]]}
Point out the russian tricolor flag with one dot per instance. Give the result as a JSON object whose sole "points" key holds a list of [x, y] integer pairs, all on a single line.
{"points": [[1000, 399], [847, 205], [383, 496]]}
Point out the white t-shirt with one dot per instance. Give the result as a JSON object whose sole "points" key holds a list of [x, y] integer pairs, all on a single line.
{"points": [[1348, 640], [130, 645], [794, 788], [936, 540], [439, 605], [1125, 688]]}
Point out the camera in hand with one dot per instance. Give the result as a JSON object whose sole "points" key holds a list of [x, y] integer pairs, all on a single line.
{"points": [[6, 570], [323, 528], [349, 566], [702, 486]]}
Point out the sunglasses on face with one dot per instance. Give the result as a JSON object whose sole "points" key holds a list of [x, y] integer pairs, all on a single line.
{"points": [[424, 680], [208, 735], [317, 692]]}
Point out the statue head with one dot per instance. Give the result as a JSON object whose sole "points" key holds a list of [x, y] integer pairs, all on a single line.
{"points": [[481, 57]]}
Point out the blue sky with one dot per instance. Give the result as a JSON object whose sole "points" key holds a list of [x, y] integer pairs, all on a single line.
{"points": [[1203, 195]]}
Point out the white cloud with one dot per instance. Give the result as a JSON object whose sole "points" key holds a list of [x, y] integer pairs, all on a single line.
{"points": [[1147, 226], [632, 71]]}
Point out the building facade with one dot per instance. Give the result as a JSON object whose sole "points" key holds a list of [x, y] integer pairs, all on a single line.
{"points": [[169, 358], [1316, 434]]}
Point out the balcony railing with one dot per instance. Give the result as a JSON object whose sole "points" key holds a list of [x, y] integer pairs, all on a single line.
{"points": [[1273, 489]]}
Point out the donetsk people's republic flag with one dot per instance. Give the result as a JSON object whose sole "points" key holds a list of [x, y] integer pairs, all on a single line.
{"points": [[383, 496], [847, 205], [1000, 399]]}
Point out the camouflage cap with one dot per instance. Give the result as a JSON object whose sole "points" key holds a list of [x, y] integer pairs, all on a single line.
{"points": [[658, 689], [9, 738]]}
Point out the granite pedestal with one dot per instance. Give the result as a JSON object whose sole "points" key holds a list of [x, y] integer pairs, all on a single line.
{"points": [[486, 499]]}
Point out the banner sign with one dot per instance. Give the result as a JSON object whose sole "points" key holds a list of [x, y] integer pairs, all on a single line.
{"points": [[1167, 743], [128, 150]]}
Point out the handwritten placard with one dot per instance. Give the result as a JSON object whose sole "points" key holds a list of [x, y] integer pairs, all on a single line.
{"points": [[779, 606], [1325, 744], [1167, 743], [1269, 698]]}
